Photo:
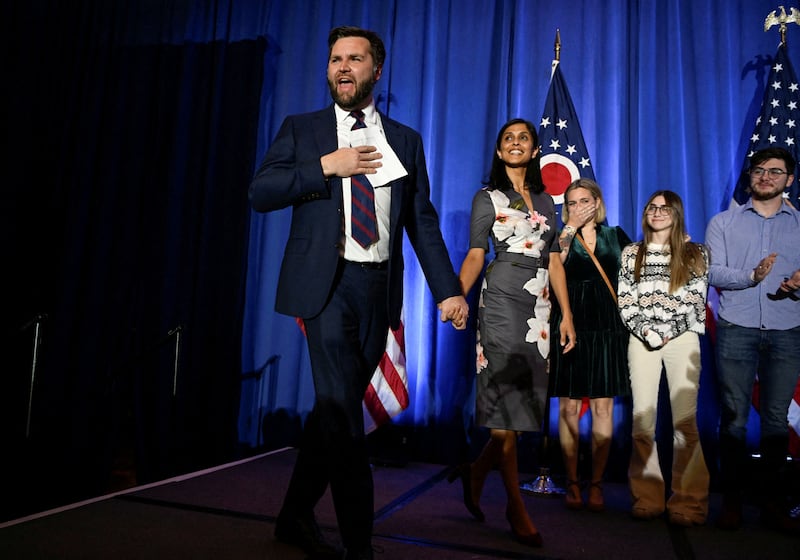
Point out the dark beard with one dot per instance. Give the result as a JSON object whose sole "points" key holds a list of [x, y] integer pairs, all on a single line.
{"points": [[764, 196], [363, 91]]}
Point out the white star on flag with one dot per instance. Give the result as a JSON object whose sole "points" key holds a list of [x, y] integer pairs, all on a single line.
{"points": [[775, 125]]}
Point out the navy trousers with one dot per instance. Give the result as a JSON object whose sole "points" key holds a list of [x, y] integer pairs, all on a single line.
{"points": [[346, 342]]}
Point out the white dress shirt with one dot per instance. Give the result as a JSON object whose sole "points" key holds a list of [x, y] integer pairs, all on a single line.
{"points": [[378, 251]]}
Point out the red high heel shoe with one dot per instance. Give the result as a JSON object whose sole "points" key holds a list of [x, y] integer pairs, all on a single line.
{"points": [[570, 501], [532, 539], [596, 505], [464, 472]]}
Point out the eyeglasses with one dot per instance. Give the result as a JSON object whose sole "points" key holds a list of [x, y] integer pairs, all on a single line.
{"points": [[653, 210], [773, 173]]}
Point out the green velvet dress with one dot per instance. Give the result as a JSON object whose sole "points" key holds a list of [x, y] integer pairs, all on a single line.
{"points": [[598, 365]]}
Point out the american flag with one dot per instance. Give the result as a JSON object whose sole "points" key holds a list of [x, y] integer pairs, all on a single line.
{"points": [[564, 154], [778, 125], [387, 393]]}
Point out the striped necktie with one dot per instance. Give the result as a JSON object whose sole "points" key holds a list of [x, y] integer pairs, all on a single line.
{"points": [[363, 224]]}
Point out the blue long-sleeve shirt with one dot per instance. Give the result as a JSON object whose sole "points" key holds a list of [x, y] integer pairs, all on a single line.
{"points": [[738, 239]]}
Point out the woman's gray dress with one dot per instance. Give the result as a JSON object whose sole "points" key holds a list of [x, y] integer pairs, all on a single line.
{"points": [[514, 308]]}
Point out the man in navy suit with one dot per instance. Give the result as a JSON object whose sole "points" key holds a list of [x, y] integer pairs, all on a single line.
{"points": [[347, 291]]}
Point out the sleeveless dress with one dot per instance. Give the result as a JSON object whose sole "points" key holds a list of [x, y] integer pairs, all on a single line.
{"points": [[514, 308], [598, 365]]}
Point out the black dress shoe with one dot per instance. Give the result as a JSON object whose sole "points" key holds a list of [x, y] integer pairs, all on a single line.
{"points": [[365, 554], [781, 518], [304, 533], [325, 556], [730, 518]]}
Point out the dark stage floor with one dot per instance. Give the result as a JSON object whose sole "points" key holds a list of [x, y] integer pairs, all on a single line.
{"points": [[229, 513]]}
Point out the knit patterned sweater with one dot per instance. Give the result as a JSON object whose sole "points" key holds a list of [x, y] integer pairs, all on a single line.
{"points": [[648, 307]]}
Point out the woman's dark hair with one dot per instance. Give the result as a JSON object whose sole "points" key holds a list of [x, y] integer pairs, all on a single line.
{"points": [[498, 178]]}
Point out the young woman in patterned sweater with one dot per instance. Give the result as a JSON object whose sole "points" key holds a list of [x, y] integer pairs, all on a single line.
{"points": [[663, 283]]}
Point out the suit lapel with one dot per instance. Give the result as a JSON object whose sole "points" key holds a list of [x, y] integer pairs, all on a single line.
{"points": [[397, 140], [324, 127], [326, 137]]}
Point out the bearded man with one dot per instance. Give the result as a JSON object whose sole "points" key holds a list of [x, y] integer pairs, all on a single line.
{"points": [[755, 264], [342, 273]]}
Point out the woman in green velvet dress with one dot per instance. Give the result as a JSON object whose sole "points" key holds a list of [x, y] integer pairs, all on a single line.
{"points": [[597, 369]]}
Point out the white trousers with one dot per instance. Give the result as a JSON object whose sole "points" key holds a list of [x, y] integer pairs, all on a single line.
{"points": [[680, 358]]}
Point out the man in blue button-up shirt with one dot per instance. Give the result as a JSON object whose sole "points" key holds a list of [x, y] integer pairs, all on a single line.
{"points": [[755, 263]]}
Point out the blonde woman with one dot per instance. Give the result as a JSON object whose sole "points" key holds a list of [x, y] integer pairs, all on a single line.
{"points": [[598, 367]]}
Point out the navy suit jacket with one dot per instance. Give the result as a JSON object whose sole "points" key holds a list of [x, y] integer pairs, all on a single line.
{"points": [[291, 175]]}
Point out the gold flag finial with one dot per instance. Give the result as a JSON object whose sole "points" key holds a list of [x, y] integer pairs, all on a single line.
{"points": [[782, 20], [557, 45]]}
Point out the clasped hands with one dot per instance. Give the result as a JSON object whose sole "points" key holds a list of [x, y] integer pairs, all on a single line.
{"points": [[455, 310], [346, 162]]}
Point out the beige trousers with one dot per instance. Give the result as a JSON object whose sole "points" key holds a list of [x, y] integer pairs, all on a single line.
{"points": [[681, 360]]}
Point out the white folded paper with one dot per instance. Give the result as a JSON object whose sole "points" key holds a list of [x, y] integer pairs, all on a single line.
{"points": [[391, 169]]}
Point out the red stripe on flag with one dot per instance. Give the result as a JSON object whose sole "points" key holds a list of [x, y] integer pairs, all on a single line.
{"points": [[584, 406], [375, 407], [400, 337], [387, 393], [393, 379]]}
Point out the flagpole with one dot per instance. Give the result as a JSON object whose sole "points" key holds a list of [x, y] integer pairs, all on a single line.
{"points": [[543, 484], [557, 45], [557, 55]]}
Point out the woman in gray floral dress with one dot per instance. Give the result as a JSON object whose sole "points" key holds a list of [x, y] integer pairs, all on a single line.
{"points": [[513, 314]]}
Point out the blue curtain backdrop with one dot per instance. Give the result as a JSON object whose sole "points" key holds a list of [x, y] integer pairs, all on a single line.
{"points": [[666, 93], [131, 131]]}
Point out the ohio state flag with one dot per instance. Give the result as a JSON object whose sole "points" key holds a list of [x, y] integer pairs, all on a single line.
{"points": [[564, 154]]}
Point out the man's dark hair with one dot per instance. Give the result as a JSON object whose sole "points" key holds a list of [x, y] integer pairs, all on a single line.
{"points": [[376, 48], [774, 153]]}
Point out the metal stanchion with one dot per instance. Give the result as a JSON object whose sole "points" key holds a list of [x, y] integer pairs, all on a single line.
{"points": [[543, 485], [177, 332], [36, 323]]}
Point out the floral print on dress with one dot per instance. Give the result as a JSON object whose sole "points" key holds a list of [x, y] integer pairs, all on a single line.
{"points": [[522, 232], [482, 362], [539, 324]]}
